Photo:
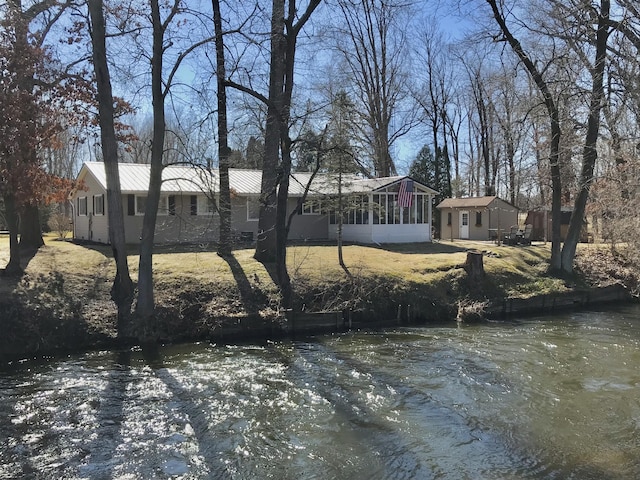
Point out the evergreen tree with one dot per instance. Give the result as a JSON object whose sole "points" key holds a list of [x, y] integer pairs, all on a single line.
{"points": [[434, 172]]}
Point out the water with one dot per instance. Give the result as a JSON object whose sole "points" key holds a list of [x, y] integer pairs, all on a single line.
{"points": [[540, 398]]}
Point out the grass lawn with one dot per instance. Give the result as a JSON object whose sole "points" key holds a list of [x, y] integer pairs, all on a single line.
{"points": [[520, 271]]}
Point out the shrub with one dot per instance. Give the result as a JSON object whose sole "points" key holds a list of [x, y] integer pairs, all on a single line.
{"points": [[61, 224]]}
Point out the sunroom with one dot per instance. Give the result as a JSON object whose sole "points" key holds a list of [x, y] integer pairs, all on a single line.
{"points": [[385, 210]]}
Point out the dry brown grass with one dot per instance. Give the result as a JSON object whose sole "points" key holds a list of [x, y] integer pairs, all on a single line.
{"points": [[518, 271]]}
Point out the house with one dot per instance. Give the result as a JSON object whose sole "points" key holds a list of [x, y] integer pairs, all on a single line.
{"points": [[187, 212], [476, 218]]}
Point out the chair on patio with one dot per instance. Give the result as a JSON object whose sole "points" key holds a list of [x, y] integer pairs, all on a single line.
{"points": [[511, 237]]}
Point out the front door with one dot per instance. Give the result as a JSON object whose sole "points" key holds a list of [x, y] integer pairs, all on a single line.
{"points": [[464, 224]]}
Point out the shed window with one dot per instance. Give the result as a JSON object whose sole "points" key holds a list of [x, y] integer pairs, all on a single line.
{"points": [[478, 219], [449, 218], [98, 205], [82, 206]]}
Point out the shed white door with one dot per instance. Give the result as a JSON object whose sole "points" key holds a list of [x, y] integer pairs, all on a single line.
{"points": [[464, 224]]}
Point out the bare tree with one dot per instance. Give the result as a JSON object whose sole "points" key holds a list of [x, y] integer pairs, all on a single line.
{"points": [[287, 21], [434, 96], [122, 290], [375, 57], [224, 244], [600, 18], [160, 88], [294, 25], [554, 120]]}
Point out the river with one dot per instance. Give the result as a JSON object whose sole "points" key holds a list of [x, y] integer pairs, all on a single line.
{"points": [[555, 397]]}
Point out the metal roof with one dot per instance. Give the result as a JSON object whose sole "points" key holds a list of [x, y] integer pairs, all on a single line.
{"points": [[134, 178]]}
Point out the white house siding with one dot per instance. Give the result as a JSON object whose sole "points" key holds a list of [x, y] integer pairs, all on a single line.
{"points": [[394, 233], [401, 233], [360, 233], [90, 226]]}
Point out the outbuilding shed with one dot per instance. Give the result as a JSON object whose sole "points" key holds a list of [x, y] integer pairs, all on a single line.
{"points": [[476, 218]]}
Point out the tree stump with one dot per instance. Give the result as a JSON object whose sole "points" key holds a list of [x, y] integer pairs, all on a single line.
{"points": [[474, 266]]}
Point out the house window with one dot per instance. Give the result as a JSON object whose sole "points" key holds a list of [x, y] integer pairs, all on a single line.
{"points": [[449, 218], [82, 206], [361, 208], [141, 205], [206, 205], [253, 209], [356, 211], [163, 205], [311, 207], [393, 210], [98, 205], [408, 214], [379, 209], [478, 219], [420, 208]]}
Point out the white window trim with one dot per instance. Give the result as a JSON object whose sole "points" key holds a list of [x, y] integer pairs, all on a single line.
{"points": [[86, 206], [249, 218], [96, 212], [311, 207], [163, 205]]}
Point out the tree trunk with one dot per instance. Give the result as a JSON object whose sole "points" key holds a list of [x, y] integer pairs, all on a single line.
{"points": [[284, 281], [340, 217], [271, 173], [13, 267], [146, 302], [30, 229], [122, 290], [29, 223], [474, 266], [590, 152], [224, 245]]}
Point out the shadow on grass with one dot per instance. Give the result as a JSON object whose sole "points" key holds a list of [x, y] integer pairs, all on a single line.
{"points": [[11, 279], [247, 293], [410, 248], [160, 249]]}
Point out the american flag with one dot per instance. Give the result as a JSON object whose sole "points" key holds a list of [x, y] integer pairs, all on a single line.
{"points": [[405, 195]]}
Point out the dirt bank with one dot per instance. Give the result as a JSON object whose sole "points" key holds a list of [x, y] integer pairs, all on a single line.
{"points": [[68, 311]]}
